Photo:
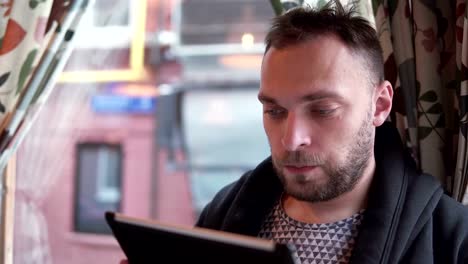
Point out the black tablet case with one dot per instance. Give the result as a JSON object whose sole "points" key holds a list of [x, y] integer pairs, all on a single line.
{"points": [[149, 242]]}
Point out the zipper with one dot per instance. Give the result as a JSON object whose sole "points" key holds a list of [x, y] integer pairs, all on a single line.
{"points": [[395, 219]]}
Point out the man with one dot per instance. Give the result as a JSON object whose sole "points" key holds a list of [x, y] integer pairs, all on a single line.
{"points": [[339, 185]]}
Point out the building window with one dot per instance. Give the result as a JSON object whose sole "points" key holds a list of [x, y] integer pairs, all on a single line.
{"points": [[108, 24], [233, 26], [111, 13], [98, 188]]}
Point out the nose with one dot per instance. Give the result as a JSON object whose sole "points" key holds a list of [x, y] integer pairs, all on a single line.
{"points": [[296, 133]]}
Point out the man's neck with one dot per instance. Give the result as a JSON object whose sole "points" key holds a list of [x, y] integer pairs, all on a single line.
{"points": [[337, 209]]}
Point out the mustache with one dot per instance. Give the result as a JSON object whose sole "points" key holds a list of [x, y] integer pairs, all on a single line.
{"points": [[300, 159]]}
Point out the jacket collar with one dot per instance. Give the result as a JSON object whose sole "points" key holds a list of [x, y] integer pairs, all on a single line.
{"points": [[386, 198], [254, 200], [401, 200]]}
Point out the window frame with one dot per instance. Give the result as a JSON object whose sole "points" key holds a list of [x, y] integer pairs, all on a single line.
{"points": [[76, 224]]}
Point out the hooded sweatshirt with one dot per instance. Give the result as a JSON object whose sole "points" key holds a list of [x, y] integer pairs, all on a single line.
{"points": [[408, 218]]}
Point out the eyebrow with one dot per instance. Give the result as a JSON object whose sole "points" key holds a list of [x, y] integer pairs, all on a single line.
{"points": [[306, 98]]}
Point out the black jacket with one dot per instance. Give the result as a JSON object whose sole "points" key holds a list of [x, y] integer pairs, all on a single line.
{"points": [[408, 219]]}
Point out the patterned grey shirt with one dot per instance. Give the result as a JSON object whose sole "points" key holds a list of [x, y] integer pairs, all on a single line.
{"points": [[330, 243]]}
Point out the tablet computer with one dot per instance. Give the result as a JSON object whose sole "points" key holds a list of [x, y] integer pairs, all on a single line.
{"points": [[148, 241]]}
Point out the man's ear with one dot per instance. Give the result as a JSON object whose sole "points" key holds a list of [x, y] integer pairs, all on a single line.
{"points": [[383, 97]]}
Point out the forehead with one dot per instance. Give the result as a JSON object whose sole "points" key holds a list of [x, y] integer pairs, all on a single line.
{"points": [[324, 63]]}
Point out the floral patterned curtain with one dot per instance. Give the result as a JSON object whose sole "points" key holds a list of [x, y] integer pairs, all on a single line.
{"points": [[22, 31], [35, 45], [35, 38], [425, 50]]}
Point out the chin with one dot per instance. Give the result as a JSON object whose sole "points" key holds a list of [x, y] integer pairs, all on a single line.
{"points": [[313, 178], [307, 194], [312, 188], [302, 187]]}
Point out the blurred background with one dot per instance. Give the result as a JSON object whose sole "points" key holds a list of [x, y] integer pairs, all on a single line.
{"points": [[155, 111]]}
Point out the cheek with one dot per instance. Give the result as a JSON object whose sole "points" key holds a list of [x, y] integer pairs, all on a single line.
{"points": [[273, 133], [270, 133], [340, 141], [334, 138]]}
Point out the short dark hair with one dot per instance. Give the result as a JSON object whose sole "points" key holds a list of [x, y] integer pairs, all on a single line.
{"points": [[301, 24]]}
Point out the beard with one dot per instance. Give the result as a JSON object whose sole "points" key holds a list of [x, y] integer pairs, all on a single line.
{"points": [[340, 178]]}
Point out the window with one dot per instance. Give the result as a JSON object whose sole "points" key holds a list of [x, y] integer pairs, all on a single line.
{"points": [[233, 26], [107, 24], [110, 13], [225, 120], [98, 188]]}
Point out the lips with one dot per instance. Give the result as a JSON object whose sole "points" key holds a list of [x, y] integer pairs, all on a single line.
{"points": [[299, 169]]}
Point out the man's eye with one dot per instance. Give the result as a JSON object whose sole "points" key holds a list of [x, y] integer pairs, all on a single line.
{"points": [[275, 113], [325, 112]]}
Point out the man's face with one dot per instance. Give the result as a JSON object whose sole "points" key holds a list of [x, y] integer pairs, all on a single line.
{"points": [[318, 112]]}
